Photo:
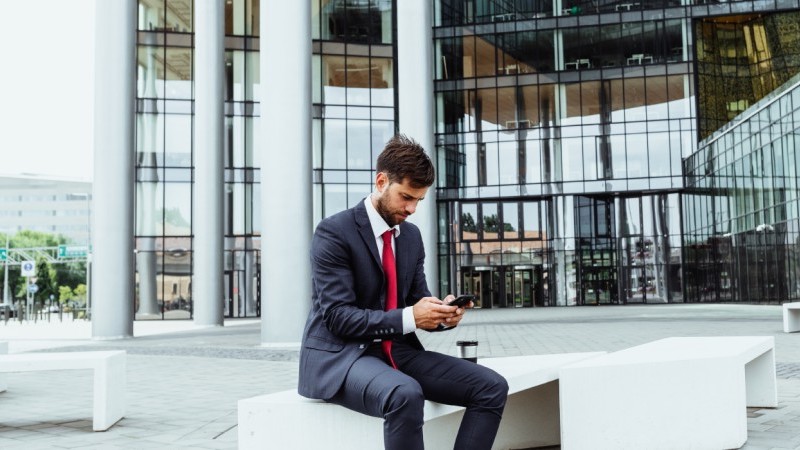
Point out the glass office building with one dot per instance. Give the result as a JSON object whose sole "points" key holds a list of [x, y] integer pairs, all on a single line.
{"points": [[561, 127], [560, 131], [741, 206]]}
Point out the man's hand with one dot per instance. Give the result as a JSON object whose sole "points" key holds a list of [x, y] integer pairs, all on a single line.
{"points": [[430, 312]]}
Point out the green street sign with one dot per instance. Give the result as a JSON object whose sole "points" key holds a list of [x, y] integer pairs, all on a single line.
{"points": [[3, 254], [72, 251]]}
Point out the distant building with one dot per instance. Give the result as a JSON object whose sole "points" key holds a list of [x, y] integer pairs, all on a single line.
{"points": [[46, 204]]}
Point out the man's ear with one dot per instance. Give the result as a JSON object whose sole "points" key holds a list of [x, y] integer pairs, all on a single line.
{"points": [[381, 181]]}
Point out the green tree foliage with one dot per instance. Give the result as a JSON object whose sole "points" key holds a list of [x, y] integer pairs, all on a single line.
{"points": [[79, 293], [50, 277], [468, 223], [29, 239], [64, 294], [46, 279], [71, 274], [174, 217], [491, 224]]}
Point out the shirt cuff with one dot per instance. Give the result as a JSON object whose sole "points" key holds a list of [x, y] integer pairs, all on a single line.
{"points": [[409, 324]]}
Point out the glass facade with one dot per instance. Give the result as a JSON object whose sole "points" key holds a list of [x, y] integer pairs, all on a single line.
{"points": [[353, 97], [354, 115], [561, 129], [583, 113], [741, 59], [559, 146], [163, 193], [741, 206]]}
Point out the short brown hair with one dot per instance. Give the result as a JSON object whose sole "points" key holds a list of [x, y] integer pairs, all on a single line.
{"points": [[402, 158]]}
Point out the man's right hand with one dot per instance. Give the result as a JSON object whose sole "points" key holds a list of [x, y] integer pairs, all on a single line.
{"points": [[430, 312]]}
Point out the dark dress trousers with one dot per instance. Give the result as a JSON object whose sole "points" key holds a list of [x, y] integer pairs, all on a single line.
{"points": [[340, 356]]}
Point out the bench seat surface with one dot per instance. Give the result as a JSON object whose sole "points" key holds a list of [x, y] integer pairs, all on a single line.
{"points": [[743, 348], [530, 419]]}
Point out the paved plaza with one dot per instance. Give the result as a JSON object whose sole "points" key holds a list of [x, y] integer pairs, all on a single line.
{"points": [[184, 381]]}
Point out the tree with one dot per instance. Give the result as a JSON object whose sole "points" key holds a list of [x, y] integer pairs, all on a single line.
{"points": [[79, 293], [64, 294], [468, 223], [46, 279], [29, 239]]}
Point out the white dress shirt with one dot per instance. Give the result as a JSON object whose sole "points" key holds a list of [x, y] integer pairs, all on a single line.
{"points": [[379, 226]]}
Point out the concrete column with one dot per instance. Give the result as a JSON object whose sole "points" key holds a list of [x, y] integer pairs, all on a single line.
{"points": [[208, 220], [286, 201], [112, 190], [415, 107]]}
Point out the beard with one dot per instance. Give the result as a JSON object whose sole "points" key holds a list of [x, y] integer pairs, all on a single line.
{"points": [[391, 218]]}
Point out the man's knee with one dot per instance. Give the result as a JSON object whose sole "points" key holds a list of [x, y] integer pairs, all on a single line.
{"points": [[496, 390], [408, 397]]}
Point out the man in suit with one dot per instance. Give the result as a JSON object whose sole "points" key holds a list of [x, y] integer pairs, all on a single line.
{"points": [[359, 345]]}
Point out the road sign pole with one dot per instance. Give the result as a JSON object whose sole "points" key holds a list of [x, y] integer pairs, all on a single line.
{"points": [[6, 297], [28, 298]]}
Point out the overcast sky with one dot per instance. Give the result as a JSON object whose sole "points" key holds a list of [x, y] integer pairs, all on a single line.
{"points": [[46, 81]]}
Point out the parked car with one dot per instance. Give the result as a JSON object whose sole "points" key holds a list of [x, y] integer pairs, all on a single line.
{"points": [[8, 311]]}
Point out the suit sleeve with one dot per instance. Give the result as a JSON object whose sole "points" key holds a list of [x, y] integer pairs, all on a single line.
{"points": [[343, 312]]}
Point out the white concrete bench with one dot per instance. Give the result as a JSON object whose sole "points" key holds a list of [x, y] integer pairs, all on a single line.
{"points": [[287, 420], [3, 377], [109, 377], [791, 317], [683, 392]]}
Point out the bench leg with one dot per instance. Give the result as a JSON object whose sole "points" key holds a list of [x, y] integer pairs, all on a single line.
{"points": [[531, 419], [791, 320], [762, 388], [109, 392], [3, 376]]}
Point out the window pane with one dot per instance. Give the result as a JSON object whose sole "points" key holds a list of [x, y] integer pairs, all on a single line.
{"points": [[178, 141], [490, 222], [510, 220], [179, 16], [530, 220], [179, 73], [469, 221]]}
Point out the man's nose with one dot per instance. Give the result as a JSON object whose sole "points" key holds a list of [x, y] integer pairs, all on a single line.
{"points": [[411, 207]]}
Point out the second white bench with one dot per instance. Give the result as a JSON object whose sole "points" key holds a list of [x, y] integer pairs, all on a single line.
{"points": [[682, 392], [531, 419], [109, 377], [791, 317]]}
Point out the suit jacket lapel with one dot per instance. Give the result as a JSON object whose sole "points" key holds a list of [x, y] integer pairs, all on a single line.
{"points": [[365, 230], [401, 254]]}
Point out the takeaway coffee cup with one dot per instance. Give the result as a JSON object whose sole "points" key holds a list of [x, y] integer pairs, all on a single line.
{"points": [[468, 350]]}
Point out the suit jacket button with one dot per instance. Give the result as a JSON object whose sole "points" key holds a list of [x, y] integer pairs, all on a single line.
{"points": [[361, 346]]}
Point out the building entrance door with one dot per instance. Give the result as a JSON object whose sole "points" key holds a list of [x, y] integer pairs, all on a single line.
{"points": [[483, 283], [504, 286], [243, 285], [519, 286], [596, 251]]}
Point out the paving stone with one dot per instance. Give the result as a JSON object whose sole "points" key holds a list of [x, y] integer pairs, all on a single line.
{"points": [[183, 382]]}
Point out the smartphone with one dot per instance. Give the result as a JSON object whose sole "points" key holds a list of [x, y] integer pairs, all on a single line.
{"points": [[462, 300]]}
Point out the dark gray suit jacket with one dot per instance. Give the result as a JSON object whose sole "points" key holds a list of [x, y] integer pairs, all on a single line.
{"points": [[348, 295]]}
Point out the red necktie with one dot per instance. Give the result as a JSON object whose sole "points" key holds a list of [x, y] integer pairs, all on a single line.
{"points": [[391, 287]]}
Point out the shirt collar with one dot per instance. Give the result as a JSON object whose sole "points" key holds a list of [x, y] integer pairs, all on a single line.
{"points": [[379, 226]]}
